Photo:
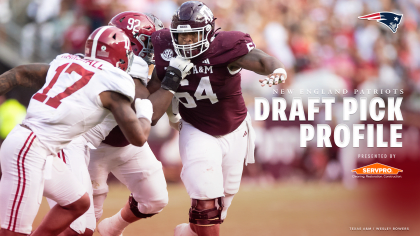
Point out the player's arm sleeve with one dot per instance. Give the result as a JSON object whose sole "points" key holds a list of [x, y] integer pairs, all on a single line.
{"points": [[30, 76], [237, 45], [119, 82], [160, 44], [246, 56]]}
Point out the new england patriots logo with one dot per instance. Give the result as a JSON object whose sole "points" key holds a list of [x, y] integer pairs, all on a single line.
{"points": [[389, 19]]}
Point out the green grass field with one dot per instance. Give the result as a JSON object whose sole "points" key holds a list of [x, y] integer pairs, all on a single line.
{"points": [[282, 209]]}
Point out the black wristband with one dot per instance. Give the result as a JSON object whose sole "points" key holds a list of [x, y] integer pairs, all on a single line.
{"points": [[172, 79]]}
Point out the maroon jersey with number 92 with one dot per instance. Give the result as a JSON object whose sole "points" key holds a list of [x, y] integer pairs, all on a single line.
{"points": [[210, 96]]}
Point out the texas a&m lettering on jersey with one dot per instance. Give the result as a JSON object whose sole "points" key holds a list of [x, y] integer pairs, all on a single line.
{"points": [[211, 94]]}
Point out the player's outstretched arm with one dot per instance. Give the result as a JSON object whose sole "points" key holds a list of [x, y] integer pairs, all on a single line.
{"points": [[263, 64], [160, 98], [136, 128], [141, 90], [31, 76]]}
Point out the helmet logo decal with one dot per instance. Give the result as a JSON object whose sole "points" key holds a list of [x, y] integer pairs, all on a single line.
{"points": [[103, 52], [167, 54], [206, 12], [127, 42]]}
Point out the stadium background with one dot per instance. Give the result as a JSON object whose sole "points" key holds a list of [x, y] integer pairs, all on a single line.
{"points": [[290, 190]]}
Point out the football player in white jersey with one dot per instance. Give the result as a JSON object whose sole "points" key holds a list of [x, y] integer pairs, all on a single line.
{"points": [[78, 94], [136, 167]]}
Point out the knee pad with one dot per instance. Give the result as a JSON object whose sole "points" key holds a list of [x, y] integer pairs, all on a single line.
{"points": [[152, 205], [206, 217], [134, 207]]}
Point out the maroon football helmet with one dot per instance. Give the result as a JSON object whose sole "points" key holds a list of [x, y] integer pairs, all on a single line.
{"points": [[192, 17], [138, 27], [110, 44]]}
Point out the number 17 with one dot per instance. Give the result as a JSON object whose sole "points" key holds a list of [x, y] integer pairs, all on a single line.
{"points": [[56, 101]]}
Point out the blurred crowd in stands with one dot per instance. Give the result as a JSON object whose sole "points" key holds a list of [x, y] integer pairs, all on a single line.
{"points": [[322, 44]]}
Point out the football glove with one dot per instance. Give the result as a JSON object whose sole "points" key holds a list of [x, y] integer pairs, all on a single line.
{"points": [[177, 70], [278, 74]]}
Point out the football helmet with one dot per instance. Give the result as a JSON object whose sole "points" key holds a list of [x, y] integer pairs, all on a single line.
{"points": [[108, 43], [138, 27], [192, 17]]}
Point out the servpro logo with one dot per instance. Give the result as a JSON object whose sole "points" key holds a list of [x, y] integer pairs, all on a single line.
{"points": [[377, 170]]}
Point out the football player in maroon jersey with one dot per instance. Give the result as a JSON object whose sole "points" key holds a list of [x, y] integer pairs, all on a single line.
{"points": [[216, 135]]}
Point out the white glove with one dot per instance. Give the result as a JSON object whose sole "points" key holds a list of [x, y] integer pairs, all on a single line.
{"points": [[144, 109], [273, 78], [139, 69], [173, 111], [173, 118], [181, 64]]}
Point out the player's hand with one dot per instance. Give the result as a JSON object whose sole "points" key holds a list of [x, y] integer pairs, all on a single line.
{"points": [[144, 109], [279, 75], [139, 69], [183, 65], [177, 70]]}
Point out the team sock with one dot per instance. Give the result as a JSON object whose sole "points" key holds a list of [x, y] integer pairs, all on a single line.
{"points": [[116, 224]]}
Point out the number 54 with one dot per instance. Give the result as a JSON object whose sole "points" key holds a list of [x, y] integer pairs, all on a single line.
{"points": [[203, 86]]}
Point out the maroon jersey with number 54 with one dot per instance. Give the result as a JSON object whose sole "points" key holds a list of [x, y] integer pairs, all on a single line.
{"points": [[210, 96]]}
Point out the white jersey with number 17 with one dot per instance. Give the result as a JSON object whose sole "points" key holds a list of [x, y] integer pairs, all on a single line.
{"points": [[68, 105]]}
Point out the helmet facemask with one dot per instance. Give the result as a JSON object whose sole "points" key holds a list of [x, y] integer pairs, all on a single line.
{"points": [[129, 63], [147, 52], [189, 51], [130, 57]]}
